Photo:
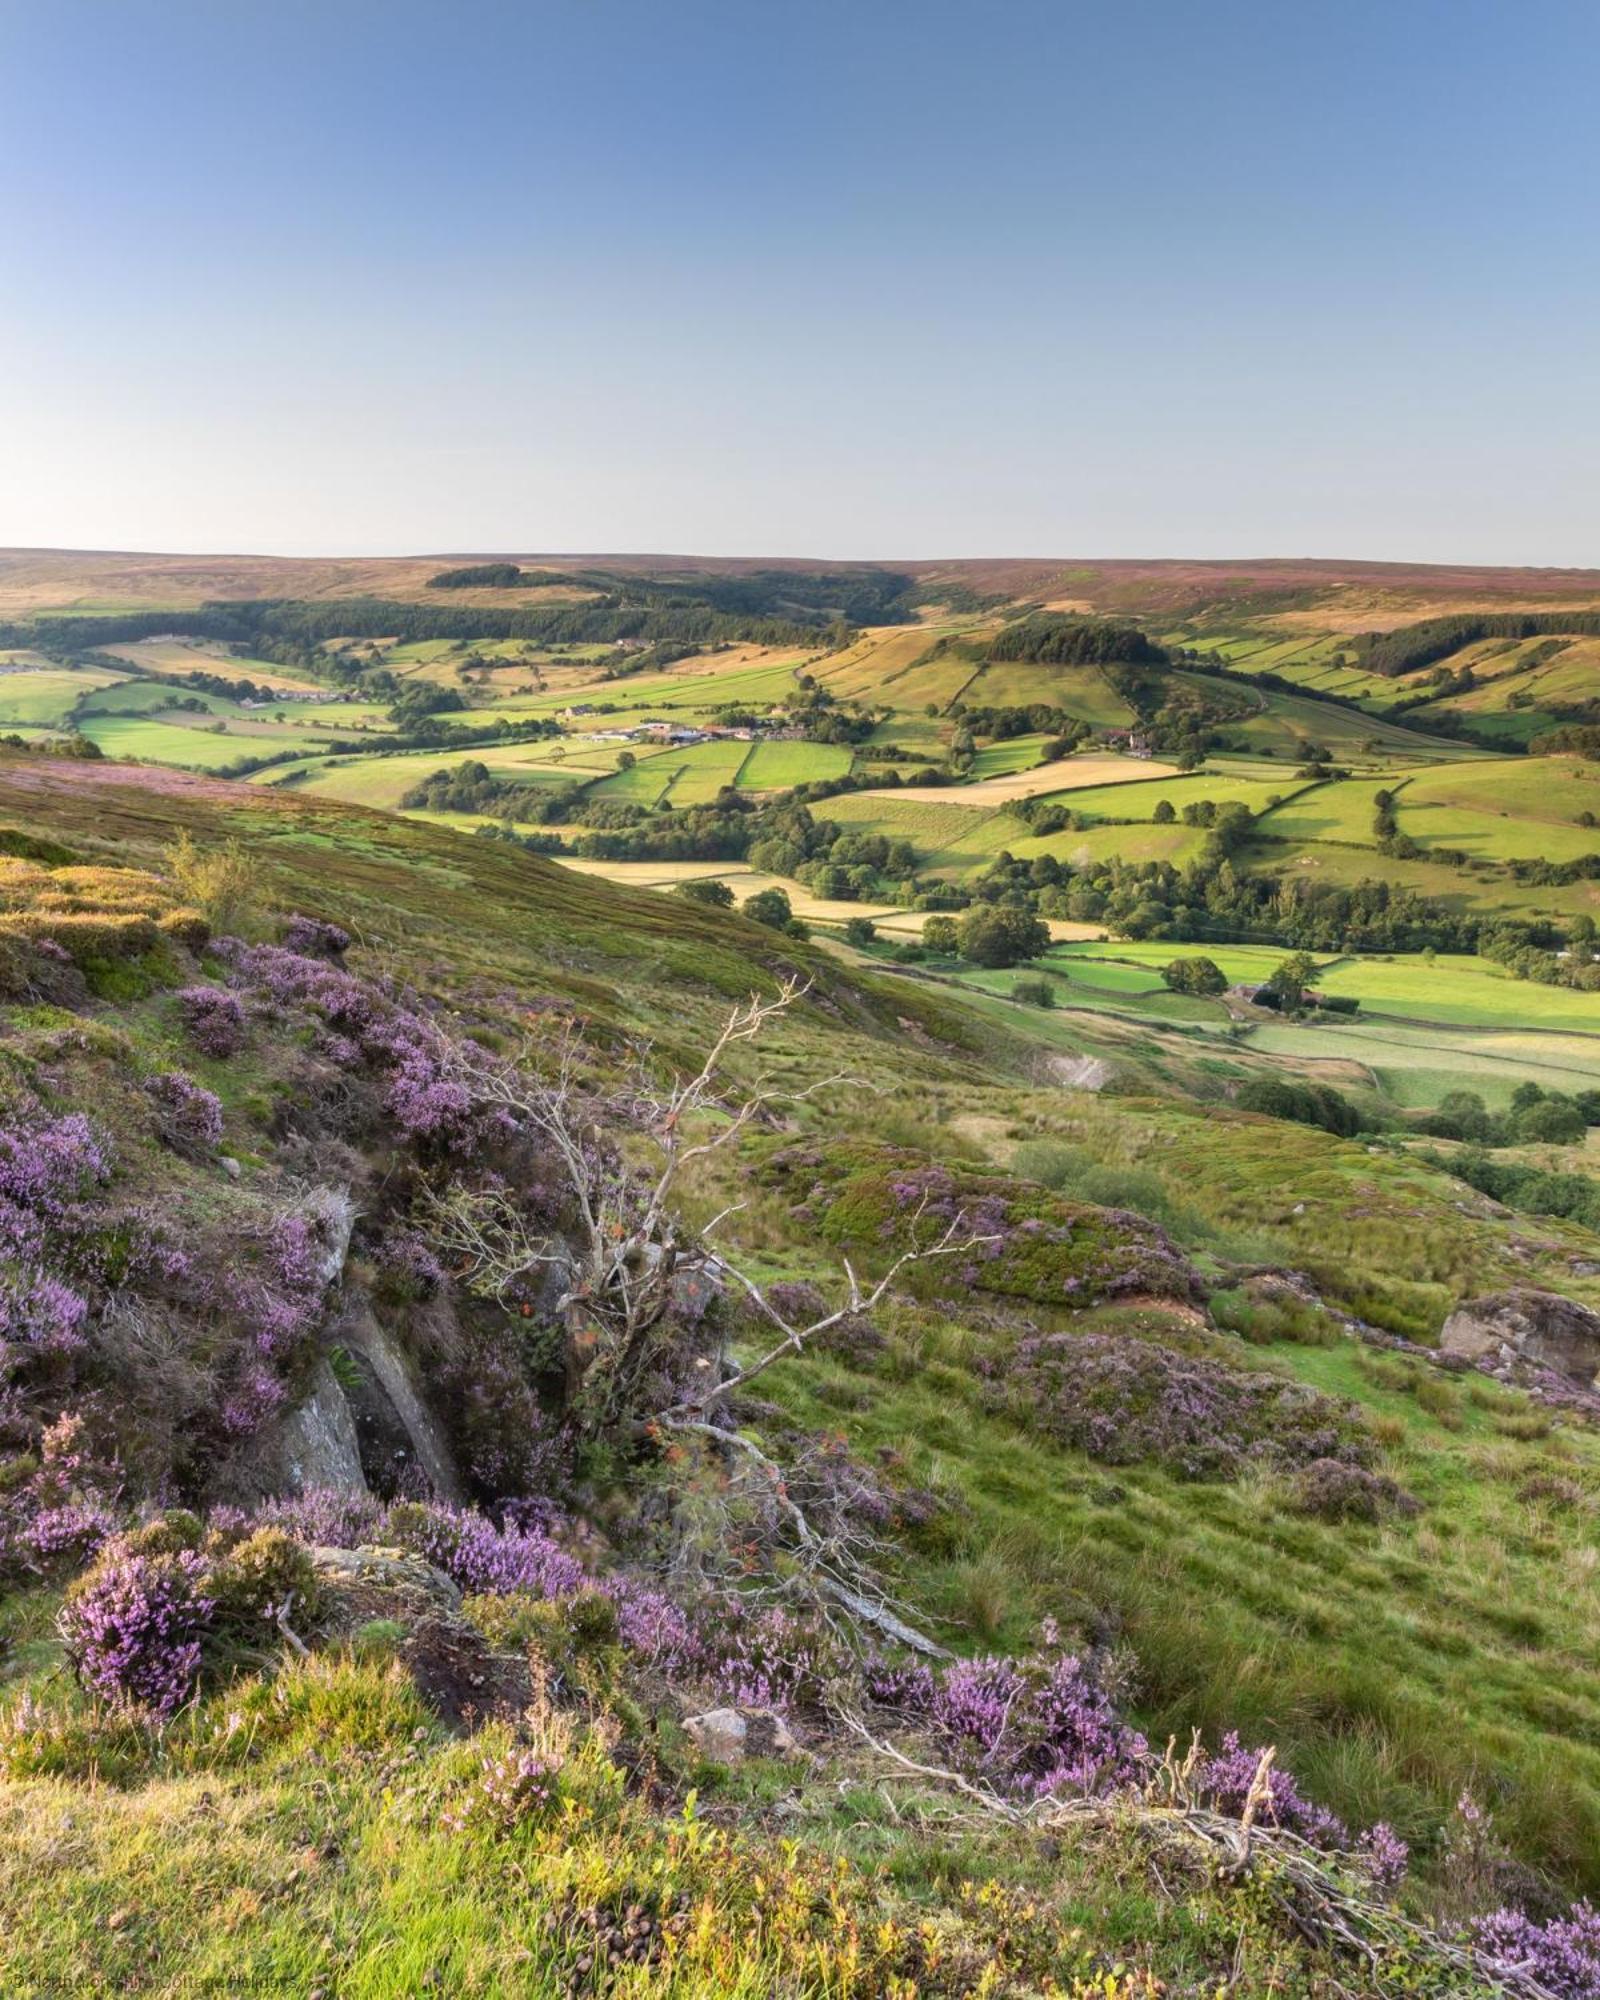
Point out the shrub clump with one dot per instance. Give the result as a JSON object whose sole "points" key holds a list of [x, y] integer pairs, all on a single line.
{"points": [[265, 1576], [1332, 1489], [1563, 1955], [1127, 1402], [214, 1018], [188, 1115], [311, 937], [133, 1626], [1030, 1728], [1028, 1243]]}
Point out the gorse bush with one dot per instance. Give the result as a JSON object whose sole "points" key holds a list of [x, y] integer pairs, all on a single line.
{"points": [[224, 882]]}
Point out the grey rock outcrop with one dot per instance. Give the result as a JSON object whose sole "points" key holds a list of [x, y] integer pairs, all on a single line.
{"points": [[1539, 1329], [729, 1735], [316, 1444], [393, 1421]]}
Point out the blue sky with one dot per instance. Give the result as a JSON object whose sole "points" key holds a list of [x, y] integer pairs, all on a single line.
{"points": [[1151, 277]]}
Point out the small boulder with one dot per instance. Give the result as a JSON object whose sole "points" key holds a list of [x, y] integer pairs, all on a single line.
{"points": [[1541, 1329], [729, 1735], [367, 1583], [463, 1678]]}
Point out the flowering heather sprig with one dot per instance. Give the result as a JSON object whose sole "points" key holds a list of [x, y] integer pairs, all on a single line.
{"points": [[214, 1018], [41, 1312], [1563, 1955], [407, 1255], [518, 1554], [46, 1164], [133, 1625], [764, 1659], [1029, 1728], [189, 1114], [311, 937], [323, 1517], [651, 1626], [56, 1507], [482, 1557], [511, 1790], [1385, 1854], [1224, 1781], [255, 1396]]}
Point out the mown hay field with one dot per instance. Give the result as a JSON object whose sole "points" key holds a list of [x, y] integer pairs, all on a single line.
{"points": [[189, 656], [1065, 775]]}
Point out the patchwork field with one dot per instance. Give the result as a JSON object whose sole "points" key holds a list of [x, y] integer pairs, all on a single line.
{"points": [[187, 656]]}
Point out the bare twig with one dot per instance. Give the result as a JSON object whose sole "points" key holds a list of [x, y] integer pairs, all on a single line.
{"points": [[826, 1559]]}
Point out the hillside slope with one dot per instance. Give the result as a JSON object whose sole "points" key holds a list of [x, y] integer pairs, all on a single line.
{"points": [[1167, 1445]]}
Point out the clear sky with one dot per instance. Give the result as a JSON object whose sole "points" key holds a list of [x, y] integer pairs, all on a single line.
{"points": [[830, 277]]}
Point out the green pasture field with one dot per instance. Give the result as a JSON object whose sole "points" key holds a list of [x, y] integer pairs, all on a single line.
{"points": [[777, 766], [1465, 991], [1138, 801], [1552, 789], [882, 656], [1144, 842], [703, 770], [923, 735], [343, 717], [1510, 809], [1416, 1066], [1015, 753], [1239, 963], [933, 828], [1486, 888], [1448, 988], [136, 697], [1094, 983], [646, 783], [171, 742], [48, 696], [1342, 811], [1082, 691], [1287, 723], [383, 780], [686, 692]]}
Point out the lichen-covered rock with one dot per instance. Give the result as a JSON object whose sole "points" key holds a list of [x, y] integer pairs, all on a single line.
{"points": [[729, 1735], [359, 1585], [1541, 1329]]}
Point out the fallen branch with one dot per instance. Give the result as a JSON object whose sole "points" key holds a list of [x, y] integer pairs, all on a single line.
{"points": [[1324, 1906], [850, 1592]]}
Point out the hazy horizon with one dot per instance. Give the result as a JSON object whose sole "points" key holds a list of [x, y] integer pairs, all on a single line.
{"points": [[1175, 283]]}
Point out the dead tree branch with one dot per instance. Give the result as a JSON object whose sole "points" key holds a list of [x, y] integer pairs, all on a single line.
{"points": [[828, 1561]]}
